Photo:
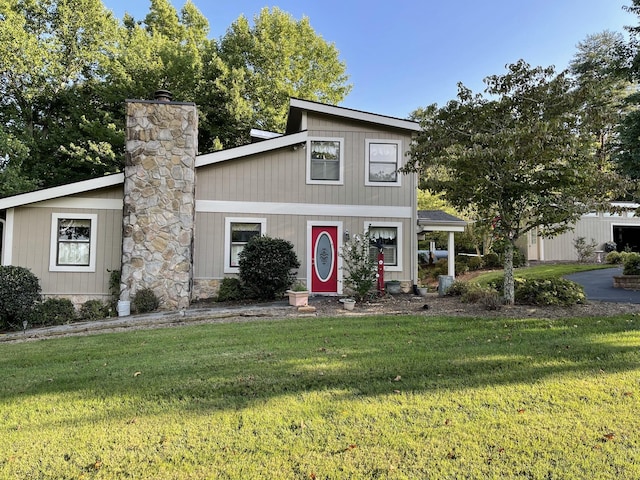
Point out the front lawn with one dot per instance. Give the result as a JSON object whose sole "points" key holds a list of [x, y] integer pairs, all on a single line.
{"points": [[351, 398], [542, 272]]}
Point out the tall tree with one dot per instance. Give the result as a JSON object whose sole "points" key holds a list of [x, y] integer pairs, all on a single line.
{"points": [[596, 69], [518, 157], [282, 58], [51, 52]]}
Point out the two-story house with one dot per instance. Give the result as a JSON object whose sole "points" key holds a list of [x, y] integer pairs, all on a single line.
{"points": [[176, 221]]}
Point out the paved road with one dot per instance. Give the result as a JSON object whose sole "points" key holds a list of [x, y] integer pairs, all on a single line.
{"points": [[598, 286]]}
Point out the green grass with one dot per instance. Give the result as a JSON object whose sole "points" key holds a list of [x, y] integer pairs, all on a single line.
{"points": [[541, 272], [351, 398]]}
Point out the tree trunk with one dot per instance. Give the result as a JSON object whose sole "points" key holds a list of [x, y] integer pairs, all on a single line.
{"points": [[509, 288]]}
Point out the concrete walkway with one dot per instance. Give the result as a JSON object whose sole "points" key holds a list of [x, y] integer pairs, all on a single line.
{"points": [[598, 286]]}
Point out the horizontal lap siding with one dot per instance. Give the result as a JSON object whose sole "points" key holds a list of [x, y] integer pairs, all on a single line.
{"points": [[32, 244]]}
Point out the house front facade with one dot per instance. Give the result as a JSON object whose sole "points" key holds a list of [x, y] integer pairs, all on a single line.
{"points": [[176, 222]]}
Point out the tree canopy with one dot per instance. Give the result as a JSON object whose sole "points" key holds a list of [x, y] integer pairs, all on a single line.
{"points": [[519, 156], [66, 68]]}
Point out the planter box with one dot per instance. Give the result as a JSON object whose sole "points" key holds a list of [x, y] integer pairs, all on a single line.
{"points": [[628, 282], [298, 299]]}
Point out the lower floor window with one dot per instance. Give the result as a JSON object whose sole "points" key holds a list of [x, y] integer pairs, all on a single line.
{"points": [[238, 233], [385, 238], [73, 242], [241, 233]]}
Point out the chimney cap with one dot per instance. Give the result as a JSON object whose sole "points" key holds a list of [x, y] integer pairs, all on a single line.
{"points": [[163, 95]]}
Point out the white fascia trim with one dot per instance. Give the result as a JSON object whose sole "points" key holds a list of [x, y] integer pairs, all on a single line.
{"points": [[251, 149], [400, 241], [85, 203], [355, 114], [7, 241], [62, 191], [227, 238], [53, 266], [434, 227], [304, 209]]}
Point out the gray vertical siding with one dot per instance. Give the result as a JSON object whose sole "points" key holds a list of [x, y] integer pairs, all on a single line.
{"points": [[599, 228], [32, 244]]}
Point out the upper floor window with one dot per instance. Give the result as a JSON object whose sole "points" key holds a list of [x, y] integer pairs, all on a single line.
{"points": [[325, 161], [73, 242], [382, 162], [238, 232]]}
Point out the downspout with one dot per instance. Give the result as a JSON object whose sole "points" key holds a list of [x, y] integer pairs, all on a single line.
{"points": [[414, 233]]}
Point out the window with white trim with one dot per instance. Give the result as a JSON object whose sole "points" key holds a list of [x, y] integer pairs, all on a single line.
{"points": [[73, 242], [382, 162], [325, 161], [238, 232], [388, 236]]}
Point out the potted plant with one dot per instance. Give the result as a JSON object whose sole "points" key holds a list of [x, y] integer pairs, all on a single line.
{"points": [[298, 295], [348, 303], [422, 290]]}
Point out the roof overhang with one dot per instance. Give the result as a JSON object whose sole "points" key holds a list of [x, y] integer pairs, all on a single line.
{"points": [[62, 191], [439, 221], [297, 106], [251, 149]]}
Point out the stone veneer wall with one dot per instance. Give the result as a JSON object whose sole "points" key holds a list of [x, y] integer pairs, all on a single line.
{"points": [[159, 201]]}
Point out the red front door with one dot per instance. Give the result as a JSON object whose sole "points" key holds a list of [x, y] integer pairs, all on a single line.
{"points": [[324, 259]]}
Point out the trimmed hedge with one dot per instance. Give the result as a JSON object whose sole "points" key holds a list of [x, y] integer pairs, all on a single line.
{"points": [[19, 295]]}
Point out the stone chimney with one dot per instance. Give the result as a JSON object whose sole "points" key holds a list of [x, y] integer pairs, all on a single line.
{"points": [[159, 200]]}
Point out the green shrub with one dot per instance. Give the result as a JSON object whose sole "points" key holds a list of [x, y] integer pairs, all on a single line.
{"points": [[554, 291], [614, 258], [585, 251], [491, 260], [441, 267], [631, 264], [94, 310], [458, 289], [145, 300], [266, 266], [19, 295], [474, 263], [230, 290], [54, 311], [360, 266]]}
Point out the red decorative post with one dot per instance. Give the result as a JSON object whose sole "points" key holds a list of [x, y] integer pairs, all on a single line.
{"points": [[380, 272]]}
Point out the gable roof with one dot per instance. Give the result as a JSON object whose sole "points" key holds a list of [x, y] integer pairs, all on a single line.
{"points": [[62, 191], [298, 106]]}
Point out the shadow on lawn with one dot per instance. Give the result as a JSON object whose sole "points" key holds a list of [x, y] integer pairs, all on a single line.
{"points": [[224, 366]]}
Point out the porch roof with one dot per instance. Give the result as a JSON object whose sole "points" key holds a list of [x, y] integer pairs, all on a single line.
{"points": [[439, 221]]}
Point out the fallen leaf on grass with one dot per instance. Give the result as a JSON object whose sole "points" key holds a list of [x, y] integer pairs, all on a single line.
{"points": [[609, 436], [521, 410], [137, 373], [627, 394], [397, 379]]}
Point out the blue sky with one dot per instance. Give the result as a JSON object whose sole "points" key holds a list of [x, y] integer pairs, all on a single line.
{"points": [[406, 54]]}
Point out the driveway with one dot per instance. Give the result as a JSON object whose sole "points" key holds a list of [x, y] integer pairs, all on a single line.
{"points": [[598, 286]]}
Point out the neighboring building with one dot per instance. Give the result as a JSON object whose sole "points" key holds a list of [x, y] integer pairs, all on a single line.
{"points": [[623, 228], [176, 222]]}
